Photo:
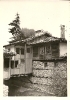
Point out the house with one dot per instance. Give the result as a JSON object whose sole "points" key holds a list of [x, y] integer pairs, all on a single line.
{"points": [[42, 46]]}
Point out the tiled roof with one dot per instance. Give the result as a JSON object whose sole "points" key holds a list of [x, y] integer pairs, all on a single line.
{"points": [[32, 37], [49, 39]]}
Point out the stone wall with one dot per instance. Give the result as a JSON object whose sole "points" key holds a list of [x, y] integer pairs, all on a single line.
{"points": [[48, 78]]}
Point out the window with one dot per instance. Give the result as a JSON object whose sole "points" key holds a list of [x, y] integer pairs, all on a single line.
{"points": [[55, 46], [35, 51], [6, 62], [17, 50], [22, 51], [12, 64], [41, 50], [16, 63], [55, 50], [28, 50], [47, 49]]}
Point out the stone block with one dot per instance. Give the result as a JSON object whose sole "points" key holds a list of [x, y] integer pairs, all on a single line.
{"points": [[42, 65], [43, 73], [47, 81]]}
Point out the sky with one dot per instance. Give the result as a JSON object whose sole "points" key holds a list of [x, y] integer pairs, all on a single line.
{"points": [[47, 15]]}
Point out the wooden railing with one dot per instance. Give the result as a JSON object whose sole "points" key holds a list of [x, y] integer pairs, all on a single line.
{"points": [[48, 56]]}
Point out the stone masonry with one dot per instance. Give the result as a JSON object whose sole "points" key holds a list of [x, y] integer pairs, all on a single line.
{"points": [[49, 78]]}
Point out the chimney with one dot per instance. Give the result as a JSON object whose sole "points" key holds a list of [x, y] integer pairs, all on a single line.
{"points": [[62, 31]]}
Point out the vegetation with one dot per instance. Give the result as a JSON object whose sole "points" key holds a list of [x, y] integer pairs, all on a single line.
{"points": [[27, 32], [17, 32]]}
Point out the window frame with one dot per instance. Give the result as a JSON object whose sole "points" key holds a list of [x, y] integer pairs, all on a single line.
{"points": [[48, 51], [16, 64], [22, 51], [18, 51], [55, 49], [35, 53], [28, 50]]}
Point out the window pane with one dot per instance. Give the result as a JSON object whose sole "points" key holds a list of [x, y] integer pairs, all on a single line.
{"points": [[28, 50], [48, 49], [35, 51], [12, 64], [17, 50], [55, 46], [16, 63], [55, 50], [6, 62], [41, 50], [22, 51]]}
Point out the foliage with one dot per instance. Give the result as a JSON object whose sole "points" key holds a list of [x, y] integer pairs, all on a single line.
{"points": [[27, 32], [15, 30]]}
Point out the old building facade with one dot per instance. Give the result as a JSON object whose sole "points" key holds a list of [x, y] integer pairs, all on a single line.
{"points": [[43, 46]]}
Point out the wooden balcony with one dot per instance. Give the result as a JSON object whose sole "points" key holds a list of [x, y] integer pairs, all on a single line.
{"points": [[48, 56]]}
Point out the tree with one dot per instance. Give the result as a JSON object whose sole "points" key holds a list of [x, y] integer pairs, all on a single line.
{"points": [[27, 32], [15, 30]]}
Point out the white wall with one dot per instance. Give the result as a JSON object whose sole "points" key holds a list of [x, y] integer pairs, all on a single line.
{"points": [[63, 48]]}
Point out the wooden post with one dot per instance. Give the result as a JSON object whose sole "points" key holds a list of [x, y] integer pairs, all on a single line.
{"points": [[14, 65], [9, 67], [20, 56], [20, 62], [25, 57]]}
